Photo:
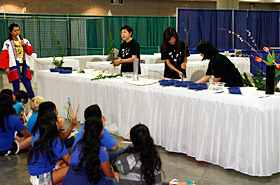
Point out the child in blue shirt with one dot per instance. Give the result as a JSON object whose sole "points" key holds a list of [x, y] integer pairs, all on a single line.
{"points": [[9, 124], [107, 140], [34, 105], [89, 163], [46, 152]]}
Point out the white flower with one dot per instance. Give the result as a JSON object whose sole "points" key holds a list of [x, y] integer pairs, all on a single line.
{"points": [[58, 59]]}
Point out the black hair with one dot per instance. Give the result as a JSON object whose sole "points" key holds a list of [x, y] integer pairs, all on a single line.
{"points": [[93, 110], [44, 108], [167, 35], [128, 28], [11, 27], [207, 49], [22, 95], [90, 146], [8, 92], [48, 134], [6, 109], [149, 156]]}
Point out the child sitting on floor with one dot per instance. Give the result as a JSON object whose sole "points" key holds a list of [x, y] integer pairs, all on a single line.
{"points": [[46, 152], [9, 124], [19, 106], [89, 163], [140, 163], [34, 105], [107, 140]]}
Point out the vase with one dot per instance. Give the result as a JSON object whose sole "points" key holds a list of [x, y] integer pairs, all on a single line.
{"points": [[270, 79]]}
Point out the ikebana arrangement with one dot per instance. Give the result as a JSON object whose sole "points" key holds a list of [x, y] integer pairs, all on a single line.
{"points": [[272, 68], [57, 61]]}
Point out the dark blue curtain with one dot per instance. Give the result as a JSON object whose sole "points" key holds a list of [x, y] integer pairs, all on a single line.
{"points": [[264, 26], [205, 25]]}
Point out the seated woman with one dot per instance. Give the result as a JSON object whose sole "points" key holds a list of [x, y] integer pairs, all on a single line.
{"points": [[9, 124], [50, 107], [219, 66], [46, 152], [89, 163], [140, 163]]}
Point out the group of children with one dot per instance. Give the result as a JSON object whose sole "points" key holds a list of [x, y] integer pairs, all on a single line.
{"points": [[95, 154]]}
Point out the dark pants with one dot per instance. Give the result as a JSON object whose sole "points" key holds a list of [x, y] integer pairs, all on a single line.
{"points": [[27, 84]]}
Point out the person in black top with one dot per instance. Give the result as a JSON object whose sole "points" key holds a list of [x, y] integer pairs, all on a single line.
{"points": [[175, 53], [129, 50], [219, 66]]}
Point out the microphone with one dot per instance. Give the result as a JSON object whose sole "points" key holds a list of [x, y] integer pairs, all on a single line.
{"points": [[18, 38]]}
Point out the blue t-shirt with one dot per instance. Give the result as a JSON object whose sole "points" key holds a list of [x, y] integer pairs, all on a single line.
{"points": [[18, 108], [106, 140], [35, 138], [31, 122], [7, 138], [41, 166], [75, 159]]}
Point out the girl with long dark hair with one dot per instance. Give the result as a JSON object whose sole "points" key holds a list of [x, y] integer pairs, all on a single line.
{"points": [[49, 106], [15, 61], [46, 152], [89, 161], [219, 66], [9, 124], [174, 52]]}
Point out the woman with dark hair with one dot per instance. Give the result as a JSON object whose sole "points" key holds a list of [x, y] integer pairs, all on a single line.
{"points": [[46, 152], [219, 66], [129, 50], [107, 141], [15, 61], [89, 161], [9, 124], [46, 107], [174, 52], [141, 163]]}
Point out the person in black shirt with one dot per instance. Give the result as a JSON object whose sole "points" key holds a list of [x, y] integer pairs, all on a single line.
{"points": [[129, 50], [219, 66], [175, 53]]}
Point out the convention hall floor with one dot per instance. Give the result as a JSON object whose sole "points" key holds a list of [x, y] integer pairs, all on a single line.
{"points": [[13, 169]]}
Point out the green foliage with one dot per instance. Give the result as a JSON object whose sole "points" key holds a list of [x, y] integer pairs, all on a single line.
{"points": [[100, 76], [271, 58], [57, 63], [246, 81], [259, 81], [111, 49]]}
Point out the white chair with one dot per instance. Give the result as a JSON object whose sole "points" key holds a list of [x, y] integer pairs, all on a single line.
{"points": [[158, 61], [198, 74], [96, 59]]}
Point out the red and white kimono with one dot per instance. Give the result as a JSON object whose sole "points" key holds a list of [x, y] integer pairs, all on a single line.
{"points": [[9, 60]]}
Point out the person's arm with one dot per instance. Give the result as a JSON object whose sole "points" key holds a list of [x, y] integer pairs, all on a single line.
{"points": [[66, 158], [27, 48], [174, 68], [4, 60], [107, 169], [204, 79], [117, 62], [65, 134], [25, 133], [216, 79], [115, 147], [184, 64]]}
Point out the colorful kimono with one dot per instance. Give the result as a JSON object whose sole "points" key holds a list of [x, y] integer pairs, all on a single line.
{"points": [[9, 59]]}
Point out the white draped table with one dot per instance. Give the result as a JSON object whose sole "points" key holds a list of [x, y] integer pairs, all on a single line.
{"points": [[157, 70], [233, 131]]}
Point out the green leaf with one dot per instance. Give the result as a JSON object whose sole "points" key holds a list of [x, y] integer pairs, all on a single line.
{"points": [[270, 58], [277, 72]]}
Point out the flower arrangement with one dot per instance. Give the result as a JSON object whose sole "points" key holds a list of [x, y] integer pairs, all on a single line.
{"points": [[111, 49], [270, 61], [103, 75], [57, 61]]}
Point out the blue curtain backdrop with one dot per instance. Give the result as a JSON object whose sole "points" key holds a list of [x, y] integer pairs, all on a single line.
{"points": [[205, 24]]}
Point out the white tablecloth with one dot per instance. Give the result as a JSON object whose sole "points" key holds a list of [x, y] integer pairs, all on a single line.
{"points": [[47, 63], [87, 58], [233, 131], [157, 70]]}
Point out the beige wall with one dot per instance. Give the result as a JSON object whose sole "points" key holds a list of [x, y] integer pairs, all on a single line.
{"points": [[101, 7]]}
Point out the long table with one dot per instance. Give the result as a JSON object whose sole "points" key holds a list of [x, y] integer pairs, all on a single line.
{"points": [[233, 131], [157, 70]]}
